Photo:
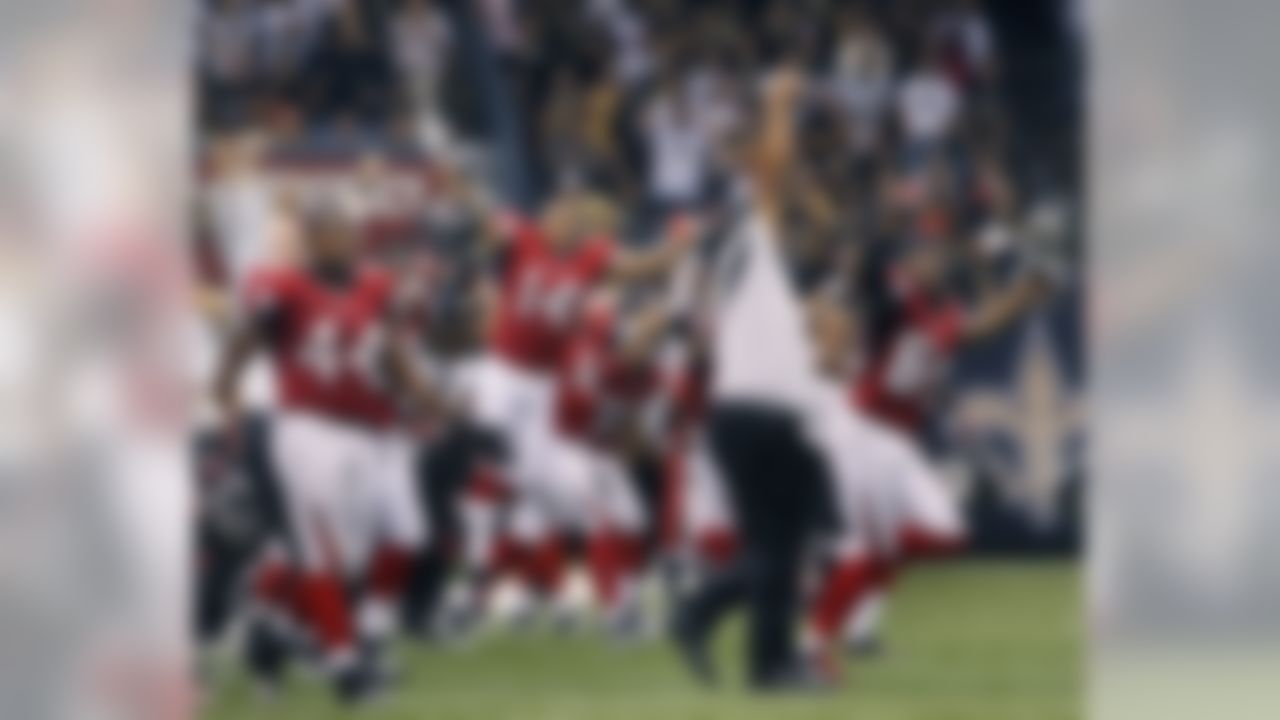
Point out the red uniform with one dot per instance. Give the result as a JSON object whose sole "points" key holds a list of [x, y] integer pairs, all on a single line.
{"points": [[594, 383], [901, 379], [542, 293], [328, 343], [686, 387], [680, 397]]}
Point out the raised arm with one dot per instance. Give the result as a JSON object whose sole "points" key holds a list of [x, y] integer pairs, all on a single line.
{"points": [[775, 150], [236, 354], [680, 238], [1043, 267], [407, 374], [646, 331], [495, 225], [1004, 306]]}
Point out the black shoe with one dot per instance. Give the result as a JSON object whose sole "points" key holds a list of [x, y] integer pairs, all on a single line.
{"points": [[868, 648], [358, 685], [691, 641], [525, 620], [376, 658], [801, 678], [266, 655], [628, 627], [458, 625], [567, 621]]}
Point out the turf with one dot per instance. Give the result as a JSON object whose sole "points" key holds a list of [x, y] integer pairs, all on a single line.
{"points": [[967, 641]]}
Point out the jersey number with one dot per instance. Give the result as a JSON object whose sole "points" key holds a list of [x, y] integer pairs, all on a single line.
{"points": [[328, 357], [542, 298]]}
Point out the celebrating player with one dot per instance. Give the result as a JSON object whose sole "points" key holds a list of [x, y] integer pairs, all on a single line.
{"points": [[341, 362], [549, 269]]}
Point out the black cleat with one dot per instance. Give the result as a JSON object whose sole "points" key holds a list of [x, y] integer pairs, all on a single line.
{"points": [[266, 656], [691, 642], [798, 678], [867, 648], [628, 627], [458, 626], [376, 657], [357, 685]]}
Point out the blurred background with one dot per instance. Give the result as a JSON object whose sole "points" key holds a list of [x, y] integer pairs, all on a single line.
{"points": [[955, 121]]}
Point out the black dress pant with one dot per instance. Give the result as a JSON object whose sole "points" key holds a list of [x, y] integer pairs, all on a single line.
{"points": [[775, 482]]}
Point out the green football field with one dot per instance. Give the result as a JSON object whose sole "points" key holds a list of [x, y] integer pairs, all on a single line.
{"points": [[967, 641]]}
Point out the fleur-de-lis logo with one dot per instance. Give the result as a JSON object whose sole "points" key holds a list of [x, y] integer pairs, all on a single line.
{"points": [[1026, 435]]}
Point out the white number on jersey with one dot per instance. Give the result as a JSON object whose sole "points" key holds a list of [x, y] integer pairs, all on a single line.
{"points": [[325, 355], [541, 298]]}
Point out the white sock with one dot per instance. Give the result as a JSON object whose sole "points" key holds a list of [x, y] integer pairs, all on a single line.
{"points": [[339, 660], [479, 520], [867, 618], [377, 619]]}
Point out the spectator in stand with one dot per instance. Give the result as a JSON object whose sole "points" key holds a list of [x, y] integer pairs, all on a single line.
{"points": [[929, 106], [238, 207], [861, 79], [421, 43], [965, 34], [628, 34], [561, 132], [603, 112], [679, 150], [713, 98], [285, 33], [352, 70], [502, 22], [226, 60]]}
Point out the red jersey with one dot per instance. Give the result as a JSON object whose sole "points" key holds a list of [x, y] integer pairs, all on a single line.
{"points": [[328, 343], [902, 378], [682, 388], [596, 387], [542, 293]]}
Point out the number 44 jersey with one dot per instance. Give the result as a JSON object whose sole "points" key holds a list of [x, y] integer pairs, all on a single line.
{"points": [[328, 341], [542, 294]]}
